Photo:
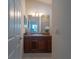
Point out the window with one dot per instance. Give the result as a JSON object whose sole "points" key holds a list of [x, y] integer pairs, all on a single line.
{"points": [[34, 28], [34, 24]]}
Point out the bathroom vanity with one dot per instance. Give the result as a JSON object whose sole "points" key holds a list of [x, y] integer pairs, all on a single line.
{"points": [[37, 43]]}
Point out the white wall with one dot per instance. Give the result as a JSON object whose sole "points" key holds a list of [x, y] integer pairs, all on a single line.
{"points": [[22, 24], [62, 29], [23, 8]]}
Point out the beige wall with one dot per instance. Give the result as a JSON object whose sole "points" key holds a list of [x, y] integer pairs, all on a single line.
{"points": [[35, 6], [39, 7]]}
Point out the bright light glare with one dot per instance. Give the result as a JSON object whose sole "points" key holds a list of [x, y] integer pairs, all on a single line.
{"points": [[19, 14], [37, 14], [40, 14], [33, 14], [12, 13]]}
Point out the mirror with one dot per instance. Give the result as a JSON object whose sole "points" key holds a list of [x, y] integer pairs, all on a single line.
{"points": [[37, 24]]}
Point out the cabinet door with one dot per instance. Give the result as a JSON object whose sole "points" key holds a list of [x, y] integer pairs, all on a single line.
{"points": [[11, 27], [27, 44], [42, 45], [17, 17], [14, 28], [49, 45], [18, 27], [45, 44], [34, 44]]}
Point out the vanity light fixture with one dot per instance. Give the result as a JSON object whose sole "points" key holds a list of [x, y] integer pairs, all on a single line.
{"points": [[37, 14], [19, 14], [40, 14]]}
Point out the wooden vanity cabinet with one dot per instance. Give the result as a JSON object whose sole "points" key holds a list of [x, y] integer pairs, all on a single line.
{"points": [[37, 44]]}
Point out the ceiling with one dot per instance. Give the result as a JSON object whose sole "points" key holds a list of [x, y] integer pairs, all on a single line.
{"points": [[46, 1], [49, 2]]}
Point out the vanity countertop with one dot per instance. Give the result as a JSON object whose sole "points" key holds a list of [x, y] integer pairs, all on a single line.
{"points": [[37, 35]]}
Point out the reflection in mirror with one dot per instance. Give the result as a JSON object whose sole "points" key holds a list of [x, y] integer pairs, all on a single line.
{"points": [[45, 19], [25, 23], [37, 24], [33, 23]]}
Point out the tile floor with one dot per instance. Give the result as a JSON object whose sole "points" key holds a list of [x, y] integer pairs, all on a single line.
{"points": [[38, 56]]}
